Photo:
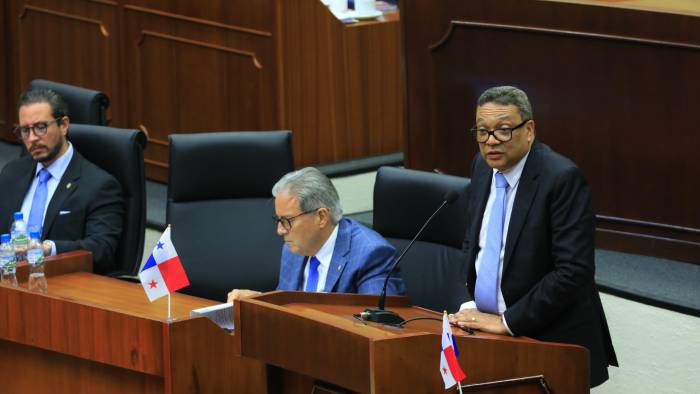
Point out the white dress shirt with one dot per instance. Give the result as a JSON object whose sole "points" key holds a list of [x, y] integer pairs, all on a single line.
{"points": [[324, 257], [512, 176]]}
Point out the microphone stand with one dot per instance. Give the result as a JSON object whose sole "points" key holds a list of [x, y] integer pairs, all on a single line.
{"points": [[379, 314]]}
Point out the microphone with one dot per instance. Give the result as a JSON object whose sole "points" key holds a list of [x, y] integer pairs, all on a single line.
{"points": [[379, 314]]}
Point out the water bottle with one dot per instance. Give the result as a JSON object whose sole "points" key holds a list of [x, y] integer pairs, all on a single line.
{"points": [[20, 240], [35, 258], [7, 261]]}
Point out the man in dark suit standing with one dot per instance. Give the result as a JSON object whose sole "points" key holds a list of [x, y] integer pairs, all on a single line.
{"points": [[73, 203], [530, 238]]}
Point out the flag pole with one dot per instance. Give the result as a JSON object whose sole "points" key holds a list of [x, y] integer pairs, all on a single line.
{"points": [[169, 317], [459, 385]]}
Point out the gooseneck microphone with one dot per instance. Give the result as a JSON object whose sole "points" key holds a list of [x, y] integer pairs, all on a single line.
{"points": [[379, 314]]}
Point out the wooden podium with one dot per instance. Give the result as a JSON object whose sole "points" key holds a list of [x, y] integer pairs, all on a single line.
{"points": [[94, 334], [312, 337]]}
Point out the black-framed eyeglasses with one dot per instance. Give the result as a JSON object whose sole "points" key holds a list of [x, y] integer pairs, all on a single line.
{"points": [[286, 222], [39, 128], [503, 134]]}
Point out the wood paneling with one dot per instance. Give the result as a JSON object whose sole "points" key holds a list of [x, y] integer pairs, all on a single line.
{"points": [[616, 96], [31, 370], [342, 84], [71, 42], [186, 75], [217, 65], [5, 111]]}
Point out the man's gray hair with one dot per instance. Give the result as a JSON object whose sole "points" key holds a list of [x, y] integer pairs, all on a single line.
{"points": [[507, 95], [313, 190]]}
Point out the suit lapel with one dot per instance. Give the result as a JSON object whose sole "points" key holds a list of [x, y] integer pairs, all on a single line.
{"points": [[66, 186], [340, 255], [296, 271], [24, 179], [527, 189], [482, 187]]}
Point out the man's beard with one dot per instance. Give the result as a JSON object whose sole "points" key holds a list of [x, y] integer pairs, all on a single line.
{"points": [[53, 153]]}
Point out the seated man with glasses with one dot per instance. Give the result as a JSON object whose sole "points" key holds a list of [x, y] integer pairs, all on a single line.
{"points": [[70, 201], [530, 237], [322, 250]]}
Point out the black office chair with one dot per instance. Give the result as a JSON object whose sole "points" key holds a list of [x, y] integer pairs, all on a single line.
{"points": [[220, 207], [435, 269], [85, 106], [120, 153]]}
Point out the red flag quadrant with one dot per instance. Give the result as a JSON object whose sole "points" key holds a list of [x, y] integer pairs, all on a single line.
{"points": [[173, 274]]}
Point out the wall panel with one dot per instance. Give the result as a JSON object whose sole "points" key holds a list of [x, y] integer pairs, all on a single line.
{"points": [[180, 66], [616, 96], [6, 119], [67, 41], [189, 76]]}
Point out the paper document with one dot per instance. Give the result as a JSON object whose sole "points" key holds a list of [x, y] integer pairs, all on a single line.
{"points": [[221, 314]]}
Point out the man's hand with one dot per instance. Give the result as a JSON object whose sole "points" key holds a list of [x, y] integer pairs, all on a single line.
{"points": [[485, 322], [237, 294], [47, 247]]}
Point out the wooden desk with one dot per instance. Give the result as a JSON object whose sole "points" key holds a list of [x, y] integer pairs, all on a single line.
{"points": [[94, 334]]}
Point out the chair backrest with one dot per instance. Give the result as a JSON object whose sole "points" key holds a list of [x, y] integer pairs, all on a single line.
{"points": [[220, 207], [120, 153], [434, 270], [85, 106]]}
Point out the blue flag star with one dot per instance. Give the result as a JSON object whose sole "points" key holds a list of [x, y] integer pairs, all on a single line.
{"points": [[160, 245]]}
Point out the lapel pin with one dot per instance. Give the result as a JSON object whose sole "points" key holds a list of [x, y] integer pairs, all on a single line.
{"points": [[340, 267], [69, 185]]}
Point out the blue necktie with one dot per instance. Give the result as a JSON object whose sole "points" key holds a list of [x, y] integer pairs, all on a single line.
{"points": [[312, 280], [486, 293], [36, 214]]}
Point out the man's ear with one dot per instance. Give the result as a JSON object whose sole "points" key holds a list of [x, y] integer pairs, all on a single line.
{"points": [[63, 125], [323, 217], [530, 130]]}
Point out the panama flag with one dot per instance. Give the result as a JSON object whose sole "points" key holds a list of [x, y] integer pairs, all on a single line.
{"points": [[449, 366], [163, 273]]}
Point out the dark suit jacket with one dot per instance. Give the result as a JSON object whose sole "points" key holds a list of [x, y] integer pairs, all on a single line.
{"points": [[361, 259], [92, 197], [548, 267]]}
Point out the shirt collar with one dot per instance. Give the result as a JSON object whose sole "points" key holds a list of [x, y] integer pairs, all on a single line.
{"points": [[513, 174], [59, 166], [325, 254]]}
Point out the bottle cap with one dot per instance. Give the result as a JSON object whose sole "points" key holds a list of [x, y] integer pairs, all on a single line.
{"points": [[34, 234], [19, 216], [5, 238]]}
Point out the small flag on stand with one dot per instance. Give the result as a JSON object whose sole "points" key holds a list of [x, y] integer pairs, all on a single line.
{"points": [[450, 370], [163, 273]]}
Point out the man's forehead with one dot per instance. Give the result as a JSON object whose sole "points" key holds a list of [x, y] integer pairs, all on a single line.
{"points": [[493, 111], [35, 110], [286, 204]]}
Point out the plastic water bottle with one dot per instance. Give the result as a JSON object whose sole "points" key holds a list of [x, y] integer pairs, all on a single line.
{"points": [[20, 240], [7, 261], [35, 257]]}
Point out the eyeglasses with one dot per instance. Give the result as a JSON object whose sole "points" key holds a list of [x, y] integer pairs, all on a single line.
{"points": [[39, 129], [504, 134], [286, 222]]}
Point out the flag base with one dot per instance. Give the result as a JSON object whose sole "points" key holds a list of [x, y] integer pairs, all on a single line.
{"points": [[383, 316]]}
